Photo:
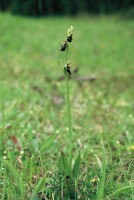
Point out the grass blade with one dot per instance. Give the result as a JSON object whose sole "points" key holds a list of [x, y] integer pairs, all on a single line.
{"points": [[76, 167], [65, 164], [16, 177], [37, 188], [103, 171], [120, 190]]}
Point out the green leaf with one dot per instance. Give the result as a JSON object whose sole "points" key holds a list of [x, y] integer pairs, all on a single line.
{"points": [[76, 167], [65, 164], [37, 188], [103, 171]]}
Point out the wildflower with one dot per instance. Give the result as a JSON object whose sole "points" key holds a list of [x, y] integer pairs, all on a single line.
{"points": [[64, 46], [67, 68], [70, 31], [70, 34], [70, 38]]}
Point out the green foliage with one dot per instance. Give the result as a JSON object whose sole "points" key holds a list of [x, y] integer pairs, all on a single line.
{"points": [[65, 165], [121, 190], [101, 185], [71, 175], [76, 168], [17, 186], [72, 172], [38, 188]]}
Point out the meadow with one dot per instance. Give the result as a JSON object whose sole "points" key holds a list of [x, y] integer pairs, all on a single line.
{"points": [[33, 107]]}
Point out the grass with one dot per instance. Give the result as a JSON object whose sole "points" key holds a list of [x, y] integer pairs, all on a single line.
{"points": [[33, 107]]}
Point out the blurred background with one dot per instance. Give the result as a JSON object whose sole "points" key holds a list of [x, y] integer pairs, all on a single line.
{"points": [[66, 7]]}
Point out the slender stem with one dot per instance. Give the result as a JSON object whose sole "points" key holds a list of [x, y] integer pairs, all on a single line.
{"points": [[3, 118], [69, 112], [69, 120]]}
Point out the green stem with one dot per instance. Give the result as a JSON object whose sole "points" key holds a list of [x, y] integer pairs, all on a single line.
{"points": [[3, 118], [69, 112], [69, 120]]}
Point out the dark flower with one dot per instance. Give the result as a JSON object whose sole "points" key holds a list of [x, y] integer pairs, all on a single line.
{"points": [[70, 38], [63, 46], [68, 69]]}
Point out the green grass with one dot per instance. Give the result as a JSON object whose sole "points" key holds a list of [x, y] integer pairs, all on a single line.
{"points": [[33, 107]]}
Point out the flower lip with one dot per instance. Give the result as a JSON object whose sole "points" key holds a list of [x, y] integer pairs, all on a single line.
{"points": [[70, 38], [67, 68]]}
